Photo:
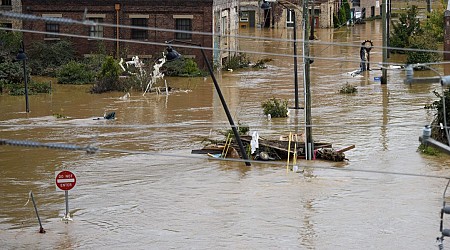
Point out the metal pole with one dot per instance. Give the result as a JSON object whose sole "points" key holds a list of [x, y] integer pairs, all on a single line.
{"points": [[384, 30], [41, 229], [225, 107], [27, 105], [295, 59], [306, 79], [66, 193]]}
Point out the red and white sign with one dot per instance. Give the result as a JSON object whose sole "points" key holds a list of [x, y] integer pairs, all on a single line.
{"points": [[65, 180]]}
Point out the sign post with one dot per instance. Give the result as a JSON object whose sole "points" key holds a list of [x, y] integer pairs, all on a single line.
{"points": [[65, 180]]}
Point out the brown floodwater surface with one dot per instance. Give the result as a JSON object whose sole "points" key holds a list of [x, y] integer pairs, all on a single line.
{"points": [[171, 199]]}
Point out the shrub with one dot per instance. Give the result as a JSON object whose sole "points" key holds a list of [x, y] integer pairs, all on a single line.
{"points": [[275, 107], [238, 61], [348, 89], [421, 43], [108, 78], [407, 26], [182, 67], [261, 64], [46, 58], [75, 73]]}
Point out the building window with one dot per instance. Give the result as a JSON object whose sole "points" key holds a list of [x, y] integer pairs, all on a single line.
{"points": [[6, 2], [290, 15], [96, 30], [139, 34], [6, 25], [244, 16], [185, 25], [52, 28], [356, 3]]}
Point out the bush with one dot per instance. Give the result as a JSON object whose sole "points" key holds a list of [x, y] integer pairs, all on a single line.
{"points": [[348, 89], [408, 25], [75, 73], [421, 43], [46, 58], [182, 67], [108, 78], [436, 132], [238, 61], [275, 107], [10, 42]]}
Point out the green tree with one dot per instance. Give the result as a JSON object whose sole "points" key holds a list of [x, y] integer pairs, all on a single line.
{"points": [[46, 58], [434, 25], [108, 77], [419, 45], [408, 25]]}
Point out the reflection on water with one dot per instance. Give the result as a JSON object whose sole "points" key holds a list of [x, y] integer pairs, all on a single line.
{"points": [[157, 200]]}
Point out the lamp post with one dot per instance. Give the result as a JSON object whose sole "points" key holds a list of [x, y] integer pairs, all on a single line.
{"points": [[23, 57], [172, 54]]}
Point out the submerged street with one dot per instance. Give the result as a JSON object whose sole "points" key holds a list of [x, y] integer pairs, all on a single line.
{"points": [[169, 198]]}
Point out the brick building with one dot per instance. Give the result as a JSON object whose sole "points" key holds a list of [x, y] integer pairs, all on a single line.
{"points": [[156, 18], [11, 5]]}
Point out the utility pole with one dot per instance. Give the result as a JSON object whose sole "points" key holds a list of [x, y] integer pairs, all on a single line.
{"points": [[309, 145], [311, 36], [385, 45], [294, 17]]}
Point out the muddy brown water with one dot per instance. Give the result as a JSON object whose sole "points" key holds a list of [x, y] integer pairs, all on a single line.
{"points": [[170, 199]]}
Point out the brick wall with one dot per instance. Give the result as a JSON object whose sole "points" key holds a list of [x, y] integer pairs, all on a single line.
{"points": [[160, 15]]}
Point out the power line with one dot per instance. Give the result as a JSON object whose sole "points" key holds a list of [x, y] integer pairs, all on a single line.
{"points": [[90, 149], [15, 15]]}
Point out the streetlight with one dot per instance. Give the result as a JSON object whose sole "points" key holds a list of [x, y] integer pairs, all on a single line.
{"points": [[172, 55], [23, 57]]}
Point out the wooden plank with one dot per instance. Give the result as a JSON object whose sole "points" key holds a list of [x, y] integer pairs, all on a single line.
{"points": [[345, 149]]}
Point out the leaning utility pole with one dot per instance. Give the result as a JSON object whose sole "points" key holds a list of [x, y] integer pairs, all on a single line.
{"points": [[309, 145], [384, 30]]}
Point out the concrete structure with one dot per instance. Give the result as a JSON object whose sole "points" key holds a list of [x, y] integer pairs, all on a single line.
{"points": [[218, 16], [11, 5], [278, 16]]}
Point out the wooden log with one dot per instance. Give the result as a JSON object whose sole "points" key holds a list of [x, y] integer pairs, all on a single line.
{"points": [[342, 150]]}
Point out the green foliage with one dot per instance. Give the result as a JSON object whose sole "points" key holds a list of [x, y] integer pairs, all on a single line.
{"points": [[420, 43], [33, 88], [348, 89], [434, 25], [10, 42], [261, 64], [11, 72], [275, 107], [407, 26], [437, 133], [75, 73], [45, 58], [40, 87], [344, 14], [242, 130], [108, 78], [110, 69], [182, 67], [428, 150], [238, 61]]}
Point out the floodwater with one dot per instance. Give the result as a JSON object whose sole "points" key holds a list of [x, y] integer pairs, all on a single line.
{"points": [[168, 198]]}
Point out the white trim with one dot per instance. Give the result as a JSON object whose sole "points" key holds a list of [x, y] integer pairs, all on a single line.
{"points": [[95, 15], [51, 15], [183, 16], [138, 16]]}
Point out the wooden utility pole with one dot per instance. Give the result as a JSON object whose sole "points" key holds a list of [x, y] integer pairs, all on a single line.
{"points": [[385, 45], [447, 33], [309, 145]]}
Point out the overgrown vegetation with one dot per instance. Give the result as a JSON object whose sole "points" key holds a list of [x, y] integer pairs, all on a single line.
{"points": [[182, 67], [344, 14], [428, 150], [75, 73], [275, 107], [436, 132], [242, 130], [46, 58], [348, 89], [408, 32], [108, 78], [237, 61]]}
